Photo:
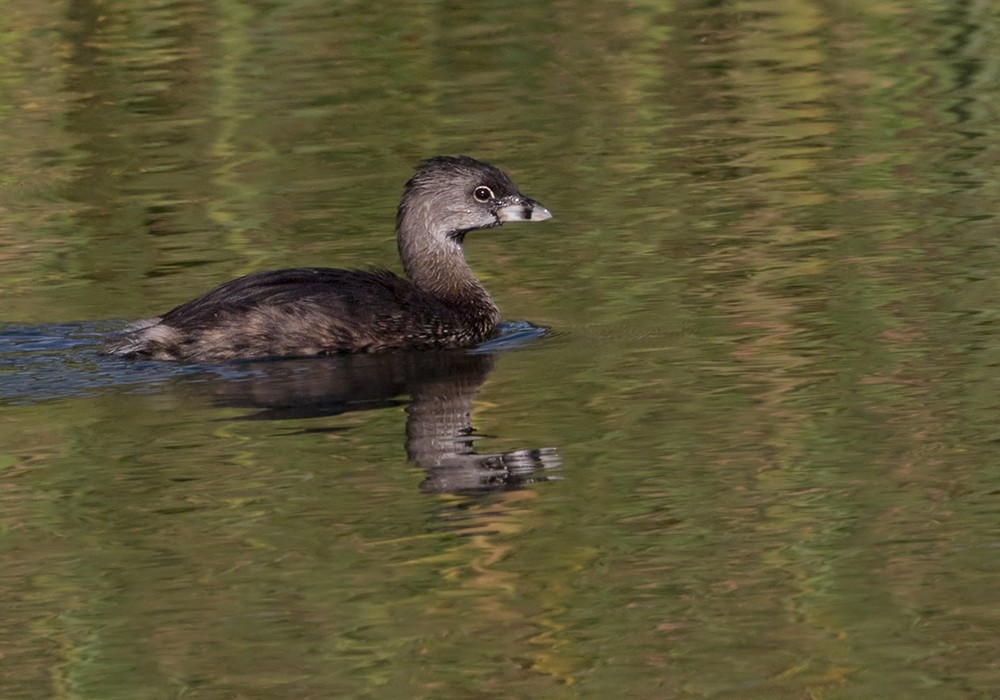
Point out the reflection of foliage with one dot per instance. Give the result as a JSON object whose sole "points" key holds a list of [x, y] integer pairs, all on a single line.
{"points": [[772, 277]]}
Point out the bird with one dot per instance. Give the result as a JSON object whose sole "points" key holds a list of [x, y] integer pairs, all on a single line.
{"points": [[316, 311]]}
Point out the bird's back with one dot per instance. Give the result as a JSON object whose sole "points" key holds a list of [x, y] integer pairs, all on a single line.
{"points": [[303, 312]]}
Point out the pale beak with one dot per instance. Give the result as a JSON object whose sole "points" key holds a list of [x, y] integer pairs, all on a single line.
{"points": [[523, 209]]}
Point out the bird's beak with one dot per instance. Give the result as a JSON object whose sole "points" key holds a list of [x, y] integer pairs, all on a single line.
{"points": [[523, 209]]}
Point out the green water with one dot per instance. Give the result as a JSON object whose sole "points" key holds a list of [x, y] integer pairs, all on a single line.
{"points": [[756, 454]]}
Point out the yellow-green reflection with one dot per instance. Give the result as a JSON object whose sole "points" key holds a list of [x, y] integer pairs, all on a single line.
{"points": [[771, 380]]}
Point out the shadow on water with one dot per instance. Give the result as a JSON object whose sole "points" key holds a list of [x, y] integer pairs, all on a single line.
{"points": [[39, 363], [441, 387]]}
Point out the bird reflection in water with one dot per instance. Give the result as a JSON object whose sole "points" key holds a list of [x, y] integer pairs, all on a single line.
{"points": [[441, 386]]}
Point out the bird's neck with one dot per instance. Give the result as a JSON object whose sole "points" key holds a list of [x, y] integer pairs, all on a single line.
{"points": [[436, 264]]}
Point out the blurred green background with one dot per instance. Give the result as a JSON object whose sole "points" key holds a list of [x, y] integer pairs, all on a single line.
{"points": [[771, 376]]}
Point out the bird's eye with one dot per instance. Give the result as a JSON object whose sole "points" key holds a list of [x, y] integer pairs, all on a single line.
{"points": [[483, 194]]}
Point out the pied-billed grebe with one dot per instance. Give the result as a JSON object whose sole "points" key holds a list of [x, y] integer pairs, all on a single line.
{"points": [[320, 311]]}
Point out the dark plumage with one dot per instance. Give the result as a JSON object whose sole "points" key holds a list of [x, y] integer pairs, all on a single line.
{"points": [[320, 311]]}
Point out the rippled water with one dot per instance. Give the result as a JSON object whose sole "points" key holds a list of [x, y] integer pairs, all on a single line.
{"points": [[739, 438]]}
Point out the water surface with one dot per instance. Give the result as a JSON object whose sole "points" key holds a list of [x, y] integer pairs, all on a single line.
{"points": [[755, 454]]}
